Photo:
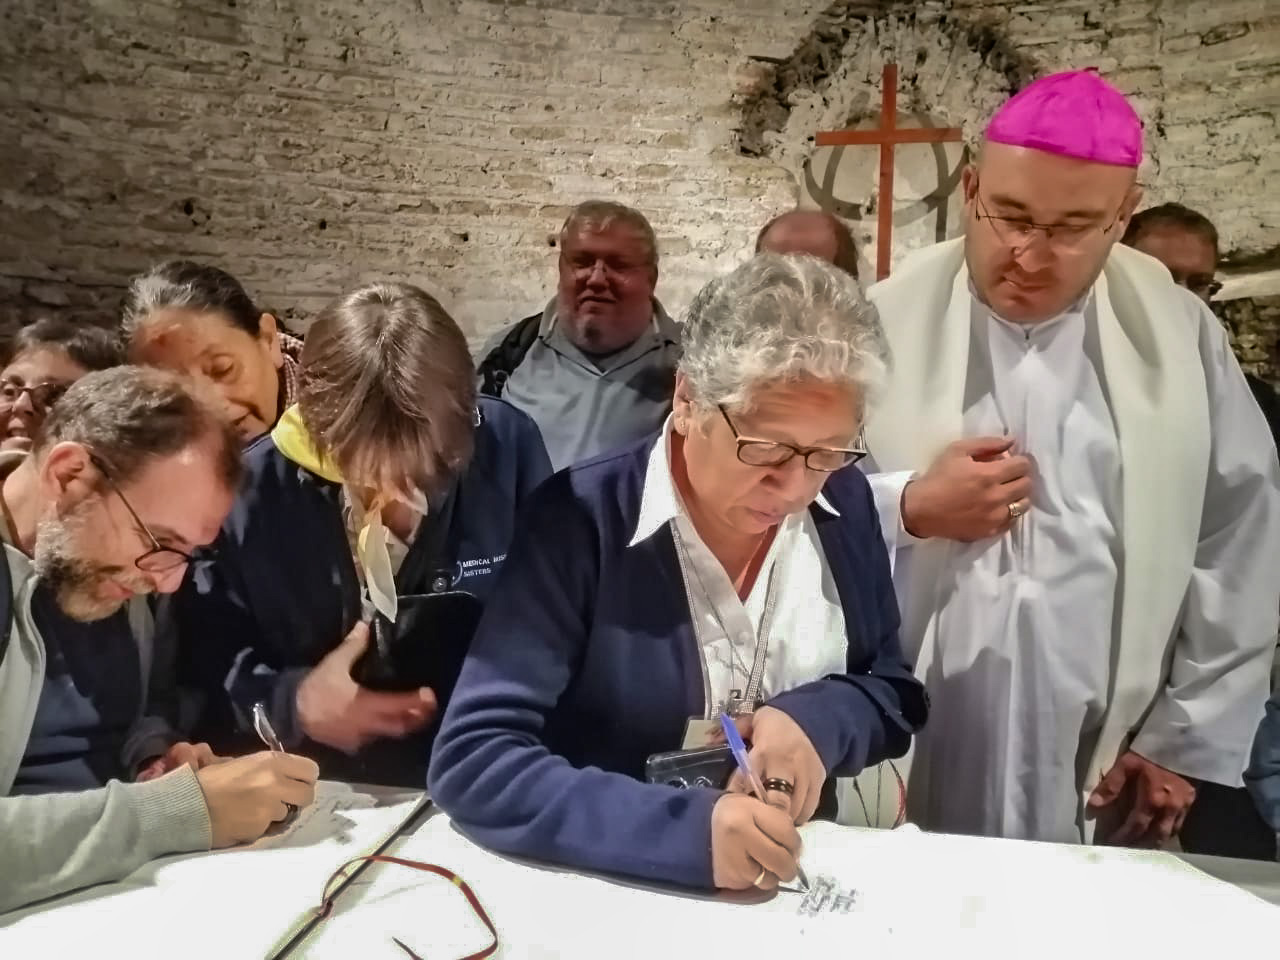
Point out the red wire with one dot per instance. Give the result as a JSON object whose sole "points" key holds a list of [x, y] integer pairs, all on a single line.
{"points": [[326, 904], [901, 817]]}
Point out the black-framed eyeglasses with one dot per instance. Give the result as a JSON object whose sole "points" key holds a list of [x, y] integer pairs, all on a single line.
{"points": [[159, 559], [43, 395], [1019, 233], [774, 453]]}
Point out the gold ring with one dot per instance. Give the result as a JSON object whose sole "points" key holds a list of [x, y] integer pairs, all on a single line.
{"points": [[756, 881], [1016, 510]]}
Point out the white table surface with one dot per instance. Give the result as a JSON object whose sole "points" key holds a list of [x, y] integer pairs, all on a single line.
{"points": [[120, 927]]}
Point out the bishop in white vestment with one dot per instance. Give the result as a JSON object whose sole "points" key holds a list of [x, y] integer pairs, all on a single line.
{"points": [[1113, 615]]}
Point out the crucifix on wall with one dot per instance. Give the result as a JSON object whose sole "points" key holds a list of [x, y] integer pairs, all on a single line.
{"points": [[887, 136]]}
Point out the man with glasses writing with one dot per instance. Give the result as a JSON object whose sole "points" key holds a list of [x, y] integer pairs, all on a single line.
{"points": [[131, 476], [1081, 496]]}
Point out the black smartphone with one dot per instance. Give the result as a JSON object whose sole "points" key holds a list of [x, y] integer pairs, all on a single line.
{"points": [[701, 767]]}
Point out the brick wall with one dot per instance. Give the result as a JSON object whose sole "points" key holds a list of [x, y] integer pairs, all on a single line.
{"points": [[308, 145], [1254, 325]]}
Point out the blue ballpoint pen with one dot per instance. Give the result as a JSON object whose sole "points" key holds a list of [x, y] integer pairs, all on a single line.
{"points": [[739, 751]]}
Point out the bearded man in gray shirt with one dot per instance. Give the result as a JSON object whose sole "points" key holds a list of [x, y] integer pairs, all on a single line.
{"points": [[595, 369]]}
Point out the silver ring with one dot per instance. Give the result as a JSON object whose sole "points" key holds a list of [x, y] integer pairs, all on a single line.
{"points": [[756, 881], [1016, 510]]}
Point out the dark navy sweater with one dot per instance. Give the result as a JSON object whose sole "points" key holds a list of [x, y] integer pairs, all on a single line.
{"points": [[284, 590], [91, 698], [585, 663]]}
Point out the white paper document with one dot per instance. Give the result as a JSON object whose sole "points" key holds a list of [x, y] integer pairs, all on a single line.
{"points": [[545, 912], [915, 894]]}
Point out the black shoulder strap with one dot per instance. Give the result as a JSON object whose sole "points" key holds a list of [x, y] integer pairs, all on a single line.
{"points": [[6, 603], [507, 355]]}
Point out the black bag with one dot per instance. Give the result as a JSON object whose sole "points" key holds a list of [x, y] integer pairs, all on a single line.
{"points": [[426, 645]]}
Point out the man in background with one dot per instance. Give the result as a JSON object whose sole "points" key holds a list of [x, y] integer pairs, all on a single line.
{"points": [[1183, 240], [1186, 242], [596, 368], [814, 232]]}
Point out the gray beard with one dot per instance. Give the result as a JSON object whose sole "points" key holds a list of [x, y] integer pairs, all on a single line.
{"points": [[71, 580]]}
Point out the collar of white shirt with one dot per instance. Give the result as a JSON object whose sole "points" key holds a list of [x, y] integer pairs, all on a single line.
{"points": [[1075, 309], [660, 501]]}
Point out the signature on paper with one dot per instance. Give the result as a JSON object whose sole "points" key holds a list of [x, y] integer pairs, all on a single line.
{"points": [[825, 896]]}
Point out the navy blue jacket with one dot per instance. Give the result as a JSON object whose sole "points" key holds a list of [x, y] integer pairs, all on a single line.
{"points": [[585, 663], [284, 591]]}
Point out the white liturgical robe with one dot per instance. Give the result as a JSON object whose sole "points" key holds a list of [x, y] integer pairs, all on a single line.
{"points": [[1135, 605]]}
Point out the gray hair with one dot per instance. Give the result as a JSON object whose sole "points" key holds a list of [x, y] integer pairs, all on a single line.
{"points": [[779, 319], [130, 416], [605, 214], [194, 286]]}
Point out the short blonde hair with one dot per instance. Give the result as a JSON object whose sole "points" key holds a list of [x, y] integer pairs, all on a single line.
{"points": [[387, 389]]}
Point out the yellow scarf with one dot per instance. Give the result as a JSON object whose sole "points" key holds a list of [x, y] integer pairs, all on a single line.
{"points": [[294, 441]]}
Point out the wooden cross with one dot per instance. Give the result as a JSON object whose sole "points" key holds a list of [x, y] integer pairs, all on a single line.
{"points": [[886, 137]]}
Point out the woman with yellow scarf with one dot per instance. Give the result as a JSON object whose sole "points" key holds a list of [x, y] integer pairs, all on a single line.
{"points": [[388, 485]]}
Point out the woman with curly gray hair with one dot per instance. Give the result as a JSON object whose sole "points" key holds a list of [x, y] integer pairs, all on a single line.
{"points": [[730, 565]]}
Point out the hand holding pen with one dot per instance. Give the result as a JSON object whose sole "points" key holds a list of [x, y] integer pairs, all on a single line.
{"points": [[739, 751], [245, 796], [267, 734], [790, 770]]}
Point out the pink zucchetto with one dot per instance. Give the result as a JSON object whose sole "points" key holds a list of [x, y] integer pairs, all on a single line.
{"points": [[1076, 114]]}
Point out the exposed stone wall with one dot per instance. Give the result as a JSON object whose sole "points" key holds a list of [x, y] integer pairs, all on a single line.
{"points": [[1204, 76], [307, 145], [1255, 333]]}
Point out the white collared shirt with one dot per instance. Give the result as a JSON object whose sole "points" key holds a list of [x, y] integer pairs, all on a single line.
{"points": [[793, 604]]}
